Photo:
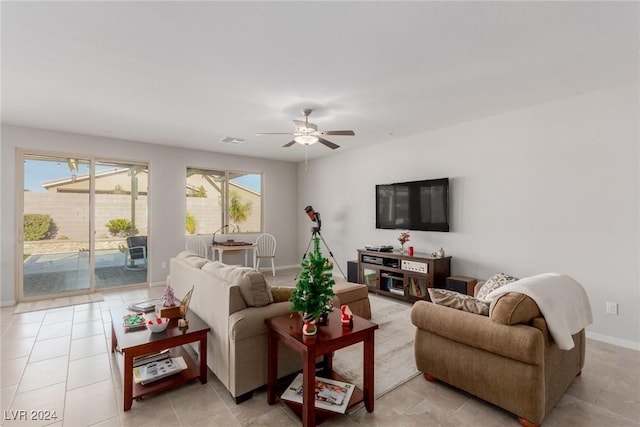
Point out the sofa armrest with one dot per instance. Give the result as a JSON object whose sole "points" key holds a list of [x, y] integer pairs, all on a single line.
{"points": [[250, 321], [519, 342], [540, 324]]}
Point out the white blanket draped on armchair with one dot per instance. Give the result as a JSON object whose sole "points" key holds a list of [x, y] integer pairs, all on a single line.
{"points": [[561, 300]]}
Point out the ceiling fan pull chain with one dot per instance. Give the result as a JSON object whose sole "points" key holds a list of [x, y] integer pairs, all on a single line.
{"points": [[306, 164]]}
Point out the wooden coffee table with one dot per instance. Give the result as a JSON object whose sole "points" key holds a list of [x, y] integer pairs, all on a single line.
{"points": [[329, 338], [140, 342]]}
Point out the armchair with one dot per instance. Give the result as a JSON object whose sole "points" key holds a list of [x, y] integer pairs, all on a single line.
{"points": [[136, 251], [508, 358]]}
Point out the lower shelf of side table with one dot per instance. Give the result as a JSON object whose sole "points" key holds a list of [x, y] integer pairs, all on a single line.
{"points": [[191, 373], [322, 415]]}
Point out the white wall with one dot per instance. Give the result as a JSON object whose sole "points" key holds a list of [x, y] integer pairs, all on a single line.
{"points": [[551, 187], [166, 193]]}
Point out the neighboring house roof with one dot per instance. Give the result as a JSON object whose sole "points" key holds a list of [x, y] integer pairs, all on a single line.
{"points": [[117, 180]]}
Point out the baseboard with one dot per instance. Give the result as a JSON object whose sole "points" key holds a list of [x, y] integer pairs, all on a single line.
{"points": [[632, 345]]}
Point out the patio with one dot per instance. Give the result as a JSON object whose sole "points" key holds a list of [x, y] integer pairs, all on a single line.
{"points": [[55, 273]]}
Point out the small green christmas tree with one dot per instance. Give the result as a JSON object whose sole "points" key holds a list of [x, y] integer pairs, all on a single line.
{"points": [[313, 292]]}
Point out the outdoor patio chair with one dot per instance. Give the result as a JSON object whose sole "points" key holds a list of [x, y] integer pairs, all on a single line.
{"points": [[136, 251]]}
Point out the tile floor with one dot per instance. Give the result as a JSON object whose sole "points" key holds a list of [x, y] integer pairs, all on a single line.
{"points": [[59, 361]]}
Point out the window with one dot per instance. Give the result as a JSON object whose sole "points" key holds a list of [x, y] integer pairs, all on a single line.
{"points": [[216, 198]]}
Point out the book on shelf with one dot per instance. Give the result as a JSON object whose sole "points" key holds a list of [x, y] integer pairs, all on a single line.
{"points": [[414, 285], [142, 307], [330, 395], [133, 322], [148, 358], [154, 371]]}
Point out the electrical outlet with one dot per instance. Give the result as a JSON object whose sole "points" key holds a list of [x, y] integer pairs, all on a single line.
{"points": [[164, 265], [612, 308]]}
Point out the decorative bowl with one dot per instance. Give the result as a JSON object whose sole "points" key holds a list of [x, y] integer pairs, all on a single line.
{"points": [[158, 324]]}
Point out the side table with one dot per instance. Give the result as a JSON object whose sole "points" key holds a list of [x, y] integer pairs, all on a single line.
{"points": [[141, 342], [329, 338]]}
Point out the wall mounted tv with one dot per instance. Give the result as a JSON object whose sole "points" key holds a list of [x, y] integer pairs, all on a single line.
{"points": [[415, 205]]}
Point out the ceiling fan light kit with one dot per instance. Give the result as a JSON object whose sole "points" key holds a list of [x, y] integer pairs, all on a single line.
{"points": [[306, 139], [307, 133]]}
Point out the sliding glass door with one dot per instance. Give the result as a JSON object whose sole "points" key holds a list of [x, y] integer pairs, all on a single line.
{"points": [[56, 225], [84, 225], [120, 224]]}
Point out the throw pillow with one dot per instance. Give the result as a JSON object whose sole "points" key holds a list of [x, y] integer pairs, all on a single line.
{"points": [[458, 301], [281, 293], [494, 283], [255, 290], [513, 308]]}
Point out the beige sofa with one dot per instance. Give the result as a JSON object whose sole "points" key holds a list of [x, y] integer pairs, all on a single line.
{"points": [[507, 358], [234, 301]]}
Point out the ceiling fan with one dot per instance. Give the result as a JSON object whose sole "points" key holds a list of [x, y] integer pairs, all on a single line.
{"points": [[307, 133]]}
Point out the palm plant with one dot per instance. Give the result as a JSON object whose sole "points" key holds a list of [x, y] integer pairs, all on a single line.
{"points": [[238, 212]]}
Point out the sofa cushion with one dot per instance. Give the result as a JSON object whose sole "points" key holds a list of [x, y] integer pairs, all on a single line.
{"points": [[212, 266], [254, 289], [348, 292], [458, 301], [185, 254], [494, 283], [513, 308], [233, 273], [195, 261]]}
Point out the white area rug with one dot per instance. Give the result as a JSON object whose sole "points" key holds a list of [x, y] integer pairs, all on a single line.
{"points": [[25, 307], [394, 354]]}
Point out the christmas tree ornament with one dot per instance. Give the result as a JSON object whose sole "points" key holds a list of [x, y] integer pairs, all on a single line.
{"points": [[346, 316], [168, 297]]}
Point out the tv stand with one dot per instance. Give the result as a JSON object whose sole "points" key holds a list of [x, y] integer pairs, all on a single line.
{"points": [[402, 276]]}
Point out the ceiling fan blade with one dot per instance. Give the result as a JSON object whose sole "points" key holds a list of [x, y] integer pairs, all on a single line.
{"points": [[328, 143], [289, 144], [338, 132], [274, 133]]}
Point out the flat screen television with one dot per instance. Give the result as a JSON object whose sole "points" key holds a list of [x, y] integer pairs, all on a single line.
{"points": [[415, 205]]}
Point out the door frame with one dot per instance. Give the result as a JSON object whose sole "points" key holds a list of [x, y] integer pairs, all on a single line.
{"points": [[19, 224]]}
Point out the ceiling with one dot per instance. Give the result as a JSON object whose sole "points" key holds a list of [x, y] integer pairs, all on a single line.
{"points": [[189, 74]]}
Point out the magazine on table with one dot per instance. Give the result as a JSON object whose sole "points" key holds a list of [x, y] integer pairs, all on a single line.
{"points": [[330, 395], [159, 369], [148, 358], [143, 307]]}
